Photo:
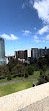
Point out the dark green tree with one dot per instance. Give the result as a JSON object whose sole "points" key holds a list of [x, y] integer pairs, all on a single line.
{"points": [[9, 77], [18, 70], [44, 68], [41, 72], [30, 70], [42, 61], [26, 73], [3, 72], [43, 78]]}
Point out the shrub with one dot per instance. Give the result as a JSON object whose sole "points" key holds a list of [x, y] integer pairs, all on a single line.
{"points": [[26, 73], [18, 70], [41, 72], [44, 68], [30, 70], [9, 77]]}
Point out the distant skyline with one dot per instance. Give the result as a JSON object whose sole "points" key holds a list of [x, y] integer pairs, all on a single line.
{"points": [[24, 24]]}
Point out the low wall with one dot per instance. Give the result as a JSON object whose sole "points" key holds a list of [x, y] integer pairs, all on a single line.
{"points": [[42, 105], [32, 99]]}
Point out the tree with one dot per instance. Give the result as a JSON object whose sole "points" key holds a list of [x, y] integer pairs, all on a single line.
{"points": [[41, 72], [3, 72], [26, 73], [47, 57], [14, 71], [47, 77], [12, 63], [30, 70], [43, 78], [18, 70], [42, 61], [9, 77], [44, 68]]}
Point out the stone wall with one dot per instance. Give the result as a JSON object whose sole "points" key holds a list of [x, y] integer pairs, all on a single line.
{"points": [[42, 105]]}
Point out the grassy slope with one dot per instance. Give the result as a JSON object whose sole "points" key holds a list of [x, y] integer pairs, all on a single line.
{"points": [[35, 75], [14, 87]]}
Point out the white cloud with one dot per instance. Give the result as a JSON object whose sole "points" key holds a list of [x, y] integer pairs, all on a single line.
{"points": [[42, 7], [11, 37], [44, 41], [43, 30], [26, 32], [37, 41], [35, 37], [47, 37]]}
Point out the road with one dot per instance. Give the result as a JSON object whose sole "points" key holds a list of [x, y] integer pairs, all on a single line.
{"points": [[1, 84]]}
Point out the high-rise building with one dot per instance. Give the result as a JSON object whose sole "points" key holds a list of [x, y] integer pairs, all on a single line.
{"points": [[19, 54], [34, 53], [42, 52], [2, 52], [27, 54]]}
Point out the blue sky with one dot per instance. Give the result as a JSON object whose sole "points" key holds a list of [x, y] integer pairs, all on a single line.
{"points": [[24, 24]]}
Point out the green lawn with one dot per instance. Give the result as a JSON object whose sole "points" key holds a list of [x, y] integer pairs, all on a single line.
{"points": [[14, 87], [35, 75]]}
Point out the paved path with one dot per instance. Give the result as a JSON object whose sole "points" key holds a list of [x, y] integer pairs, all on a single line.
{"points": [[1, 84]]}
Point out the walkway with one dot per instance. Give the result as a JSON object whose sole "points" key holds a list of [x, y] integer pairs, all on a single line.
{"points": [[1, 84]]}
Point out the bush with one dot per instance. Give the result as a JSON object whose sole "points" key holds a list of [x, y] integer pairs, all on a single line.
{"points": [[18, 70], [42, 61], [41, 72], [9, 77], [3, 72], [30, 70], [26, 73], [44, 68], [43, 78]]}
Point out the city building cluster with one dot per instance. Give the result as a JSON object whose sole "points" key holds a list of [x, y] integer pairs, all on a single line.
{"points": [[31, 54], [28, 56]]}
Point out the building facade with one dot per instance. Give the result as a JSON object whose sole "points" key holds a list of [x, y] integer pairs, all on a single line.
{"points": [[19, 54], [27, 54], [34, 53], [31, 54], [2, 52]]}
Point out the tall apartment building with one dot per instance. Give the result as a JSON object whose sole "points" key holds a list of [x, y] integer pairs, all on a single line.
{"points": [[19, 54], [2, 52], [43, 52], [47, 51], [16, 54], [34, 53], [27, 54]]}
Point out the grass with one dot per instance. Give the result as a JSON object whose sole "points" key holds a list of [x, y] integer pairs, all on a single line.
{"points": [[18, 86], [34, 76], [15, 87]]}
